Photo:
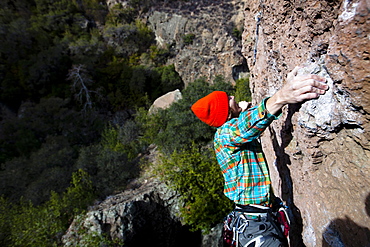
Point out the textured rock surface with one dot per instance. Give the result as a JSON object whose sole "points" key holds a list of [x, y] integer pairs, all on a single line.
{"points": [[318, 151], [214, 50], [216, 47], [166, 100], [142, 216]]}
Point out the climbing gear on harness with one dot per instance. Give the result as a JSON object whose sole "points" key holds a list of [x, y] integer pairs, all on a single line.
{"points": [[281, 215], [257, 226], [283, 219]]}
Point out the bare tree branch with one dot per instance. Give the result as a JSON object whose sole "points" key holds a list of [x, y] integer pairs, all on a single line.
{"points": [[81, 81]]}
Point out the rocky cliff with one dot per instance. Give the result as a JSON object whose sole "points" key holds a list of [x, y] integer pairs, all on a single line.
{"points": [[213, 44], [318, 151], [141, 216]]}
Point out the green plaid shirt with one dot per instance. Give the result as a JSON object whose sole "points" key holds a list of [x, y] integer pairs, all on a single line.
{"points": [[240, 156]]}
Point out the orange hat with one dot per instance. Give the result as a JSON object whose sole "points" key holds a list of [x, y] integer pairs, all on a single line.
{"points": [[212, 109]]}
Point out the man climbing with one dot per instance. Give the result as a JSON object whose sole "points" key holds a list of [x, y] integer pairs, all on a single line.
{"points": [[240, 156]]}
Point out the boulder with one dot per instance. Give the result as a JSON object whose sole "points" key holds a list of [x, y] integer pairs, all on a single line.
{"points": [[165, 101]]}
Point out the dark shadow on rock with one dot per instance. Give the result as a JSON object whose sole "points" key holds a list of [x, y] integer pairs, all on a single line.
{"points": [[282, 162], [152, 225], [346, 233]]}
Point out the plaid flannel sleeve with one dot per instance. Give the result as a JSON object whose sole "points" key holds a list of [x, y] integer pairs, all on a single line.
{"points": [[248, 126]]}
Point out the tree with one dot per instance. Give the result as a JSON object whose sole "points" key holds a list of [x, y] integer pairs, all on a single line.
{"points": [[81, 84], [170, 79]]}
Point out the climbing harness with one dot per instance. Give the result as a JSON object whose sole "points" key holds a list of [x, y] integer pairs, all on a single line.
{"points": [[256, 226]]}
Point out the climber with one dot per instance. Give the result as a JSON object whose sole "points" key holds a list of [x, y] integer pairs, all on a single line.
{"points": [[241, 159]]}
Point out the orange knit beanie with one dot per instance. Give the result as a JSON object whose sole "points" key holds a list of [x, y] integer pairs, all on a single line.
{"points": [[212, 109]]}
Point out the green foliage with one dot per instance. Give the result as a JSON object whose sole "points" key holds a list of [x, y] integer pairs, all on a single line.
{"points": [[109, 170], [48, 168], [169, 80], [157, 56], [138, 85], [177, 127], [149, 124], [24, 134], [77, 197], [119, 14], [34, 226], [44, 225], [118, 151], [237, 33], [145, 37], [122, 139], [93, 9], [49, 135], [242, 91], [188, 38], [45, 138], [86, 49], [34, 53], [196, 175], [190, 168], [5, 221], [42, 39], [140, 5], [128, 39], [127, 14]]}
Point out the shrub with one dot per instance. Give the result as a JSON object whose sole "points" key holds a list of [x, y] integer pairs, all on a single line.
{"points": [[158, 56], [187, 164], [194, 173], [170, 79], [122, 139], [177, 127], [5, 221], [128, 39], [189, 38], [237, 33], [242, 91], [49, 168], [44, 225], [109, 170], [112, 162]]}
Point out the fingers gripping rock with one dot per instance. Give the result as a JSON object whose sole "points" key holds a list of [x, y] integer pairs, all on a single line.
{"points": [[324, 114]]}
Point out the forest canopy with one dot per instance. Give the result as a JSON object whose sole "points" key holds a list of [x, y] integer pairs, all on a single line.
{"points": [[79, 57]]}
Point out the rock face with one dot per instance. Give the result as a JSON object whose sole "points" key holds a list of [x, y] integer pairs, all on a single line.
{"points": [[214, 48], [318, 151], [142, 216]]}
